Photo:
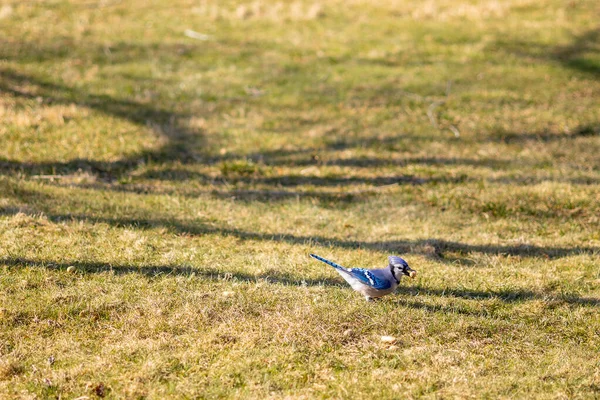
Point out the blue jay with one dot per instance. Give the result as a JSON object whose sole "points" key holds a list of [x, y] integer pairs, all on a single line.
{"points": [[373, 283]]}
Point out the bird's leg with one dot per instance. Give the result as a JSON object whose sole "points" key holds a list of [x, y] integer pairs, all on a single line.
{"points": [[368, 298]]}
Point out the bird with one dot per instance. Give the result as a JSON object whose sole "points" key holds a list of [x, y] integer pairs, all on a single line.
{"points": [[373, 283]]}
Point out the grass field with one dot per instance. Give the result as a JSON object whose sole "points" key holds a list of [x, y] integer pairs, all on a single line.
{"points": [[185, 158]]}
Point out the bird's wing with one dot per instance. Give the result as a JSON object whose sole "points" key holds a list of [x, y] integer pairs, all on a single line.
{"points": [[397, 261], [368, 278], [364, 276]]}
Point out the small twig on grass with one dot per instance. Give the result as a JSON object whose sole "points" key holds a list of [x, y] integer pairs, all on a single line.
{"points": [[430, 110], [436, 104], [196, 35], [454, 130]]}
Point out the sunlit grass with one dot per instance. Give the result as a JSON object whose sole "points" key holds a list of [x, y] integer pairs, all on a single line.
{"points": [[160, 192]]}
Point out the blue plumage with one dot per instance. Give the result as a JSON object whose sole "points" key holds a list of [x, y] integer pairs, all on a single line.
{"points": [[397, 261], [374, 282], [334, 265], [368, 278]]}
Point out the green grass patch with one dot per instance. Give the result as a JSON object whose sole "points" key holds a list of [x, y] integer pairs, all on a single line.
{"points": [[165, 170]]}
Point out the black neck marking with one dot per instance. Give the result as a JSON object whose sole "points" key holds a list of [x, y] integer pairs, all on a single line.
{"points": [[393, 274]]}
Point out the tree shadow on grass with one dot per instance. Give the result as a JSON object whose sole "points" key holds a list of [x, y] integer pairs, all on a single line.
{"points": [[582, 131], [182, 147], [505, 295], [580, 55], [164, 122], [244, 195], [435, 248], [154, 271], [181, 144], [574, 54], [282, 278], [487, 312]]}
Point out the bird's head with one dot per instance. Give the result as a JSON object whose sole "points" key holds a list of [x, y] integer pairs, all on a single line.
{"points": [[400, 266]]}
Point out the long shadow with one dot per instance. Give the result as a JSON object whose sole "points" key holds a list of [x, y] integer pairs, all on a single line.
{"points": [[555, 301], [178, 138], [65, 47], [505, 295], [288, 180], [281, 278], [437, 308], [181, 142], [93, 267], [141, 113], [436, 248], [246, 195], [571, 56], [546, 137], [179, 146], [298, 180], [368, 162], [524, 180]]}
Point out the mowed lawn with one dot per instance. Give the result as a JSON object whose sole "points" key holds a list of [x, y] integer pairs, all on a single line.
{"points": [[167, 167]]}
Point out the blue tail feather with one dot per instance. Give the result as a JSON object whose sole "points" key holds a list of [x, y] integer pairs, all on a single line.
{"points": [[334, 265]]}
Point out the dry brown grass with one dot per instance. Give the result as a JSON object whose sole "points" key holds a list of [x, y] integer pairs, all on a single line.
{"points": [[160, 194]]}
